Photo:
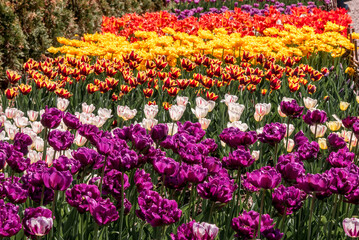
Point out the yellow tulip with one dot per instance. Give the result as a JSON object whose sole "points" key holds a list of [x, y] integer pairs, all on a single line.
{"points": [[322, 143], [334, 125], [344, 105]]}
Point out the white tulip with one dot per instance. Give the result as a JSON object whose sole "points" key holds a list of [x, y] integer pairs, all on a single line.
{"points": [[321, 129], [204, 123], [259, 130], [291, 129], [236, 107], [79, 140], [2, 136], [34, 156], [149, 123], [310, 103], [263, 109], [238, 124], [21, 121], [234, 116], [88, 108], [255, 155], [257, 117], [203, 229], [201, 102], [181, 101], [200, 112], [172, 128], [104, 113], [37, 127], [10, 113], [176, 112], [151, 111], [229, 99], [11, 131], [32, 115], [211, 105], [290, 144], [39, 144], [62, 104]]}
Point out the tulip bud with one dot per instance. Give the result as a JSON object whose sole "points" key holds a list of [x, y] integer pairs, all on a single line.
{"points": [[351, 227], [344, 106], [62, 103], [290, 145], [321, 129], [322, 143], [309, 102], [334, 125], [204, 123]]}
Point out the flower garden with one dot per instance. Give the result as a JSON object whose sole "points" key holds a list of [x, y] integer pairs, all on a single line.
{"points": [[207, 120]]}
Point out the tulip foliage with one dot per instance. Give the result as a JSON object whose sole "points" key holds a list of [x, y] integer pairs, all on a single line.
{"points": [[153, 142]]}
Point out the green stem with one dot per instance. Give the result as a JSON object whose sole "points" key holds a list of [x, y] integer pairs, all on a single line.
{"points": [[102, 174], [95, 233], [45, 146], [122, 204], [276, 154], [42, 195], [310, 217], [261, 212], [53, 213], [333, 217], [239, 200]]}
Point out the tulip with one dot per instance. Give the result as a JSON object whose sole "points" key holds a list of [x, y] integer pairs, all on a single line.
{"points": [[62, 103], [151, 111], [104, 113], [204, 123], [32, 115], [88, 108], [255, 155], [81, 195], [10, 221], [315, 117], [149, 123], [11, 131], [181, 101], [159, 132], [310, 103], [57, 180], [344, 105], [334, 125], [280, 112], [357, 99], [257, 117], [51, 118], [173, 128], [37, 222], [200, 112], [71, 121], [266, 177], [291, 108], [322, 143], [238, 124], [103, 211], [176, 112], [351, 227], [205, 230], [10, 113], [200, 102], [290, 145], [126, 113], [291, 129], [318, 130], [229, 99], [262, 109], [60, 140]]}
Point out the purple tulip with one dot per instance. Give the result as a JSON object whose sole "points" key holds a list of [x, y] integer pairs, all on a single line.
{"points": [[240, 158], [17, 162], [195, 173], [143, 180], [156, 210], [71, 121], [165, 166], [353, 196], [287, 199], [308, 151], [88, 158], [212, 164], [247, 185], [348, 122], [37, 222], [300, 139], [126, 205], [191, 154], [291, 108], [341, 158], [123, 160], [315, 117], [184, 232], [266, 177], [178, 180], [142, 143], [192, 129], [51, 118], [104, 146], [57, 180], [112, 183], [313, 182], [272, 234], [159, 132], [335, 142], [290, 167], [103, 211], [81, 195], [177, 141], [36, 192], [217, 189], [235, 137], [342, 181], [356, 129], [16, 193], [246, 224], [210, 144], [273, 133], [60, 140], [21, 142], [66, 164], [10, 223]]}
